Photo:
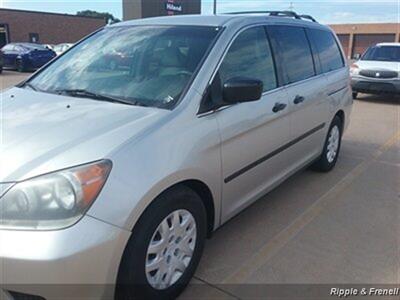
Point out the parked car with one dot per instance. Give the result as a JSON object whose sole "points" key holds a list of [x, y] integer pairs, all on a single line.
{"points": [[61, 48], [25, 56], [118, 177], [378, 70]]}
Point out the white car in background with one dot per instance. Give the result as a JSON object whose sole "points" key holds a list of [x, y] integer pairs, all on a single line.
{"points": [[61, 48], [377, 71]]}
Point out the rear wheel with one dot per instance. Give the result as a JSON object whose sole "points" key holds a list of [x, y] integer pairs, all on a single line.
{"points": [[330, 153], [165, 247], [355, 94]]}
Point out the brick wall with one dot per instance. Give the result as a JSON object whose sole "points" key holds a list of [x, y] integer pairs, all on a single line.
{"points": [[52, 28], [361, 36]]}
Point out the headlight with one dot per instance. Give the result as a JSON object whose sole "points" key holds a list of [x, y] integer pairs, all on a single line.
{"points": [[53, 201], [354, 69]]}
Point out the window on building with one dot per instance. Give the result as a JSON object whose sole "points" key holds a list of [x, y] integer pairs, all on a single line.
{"points": [[34, 37], [3, 35], [292, 48]]}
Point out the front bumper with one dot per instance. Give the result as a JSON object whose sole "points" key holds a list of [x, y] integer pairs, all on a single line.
{"points": [[375, 86], [82, 260]]}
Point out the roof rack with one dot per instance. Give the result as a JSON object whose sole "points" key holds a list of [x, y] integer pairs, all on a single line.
{"points": [[277, 13], [308, 17]]}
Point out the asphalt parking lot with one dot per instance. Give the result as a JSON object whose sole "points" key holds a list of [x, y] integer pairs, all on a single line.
{"points": [[10, 78], [335, 228]]}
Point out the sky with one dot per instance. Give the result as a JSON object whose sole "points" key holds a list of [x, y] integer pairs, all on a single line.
{"points": [[325, 11]]}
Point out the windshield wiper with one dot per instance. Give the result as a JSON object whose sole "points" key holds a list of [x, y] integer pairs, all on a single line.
{"points": [[95, 96], [31, 86]]}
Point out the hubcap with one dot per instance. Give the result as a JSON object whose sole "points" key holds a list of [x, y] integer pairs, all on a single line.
{"points": [[333, 144], [170, 250]]}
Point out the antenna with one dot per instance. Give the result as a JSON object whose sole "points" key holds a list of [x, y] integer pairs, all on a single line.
{"points": [[215, 7], [291, 6]]}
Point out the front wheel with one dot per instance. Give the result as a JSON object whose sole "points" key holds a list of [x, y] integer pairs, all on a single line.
{"points": [[20, 66], [355, 95], [330, 153], [165, 247]]}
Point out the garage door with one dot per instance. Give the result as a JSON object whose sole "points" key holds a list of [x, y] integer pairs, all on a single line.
{"points": [[344, 40], [363, 41]]}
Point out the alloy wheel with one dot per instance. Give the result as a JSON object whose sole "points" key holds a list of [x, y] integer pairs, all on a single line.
{"points": [[333, 144]]}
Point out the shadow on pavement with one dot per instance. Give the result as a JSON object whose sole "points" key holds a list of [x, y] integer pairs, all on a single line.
{"points": [[383, 99]]}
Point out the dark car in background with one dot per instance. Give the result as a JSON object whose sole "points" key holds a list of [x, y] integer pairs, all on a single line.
{"points": [[26, 56], [1, 62]]}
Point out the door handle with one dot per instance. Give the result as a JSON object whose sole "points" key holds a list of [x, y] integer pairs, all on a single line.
{"points": [[278, 107], [298, 99]]}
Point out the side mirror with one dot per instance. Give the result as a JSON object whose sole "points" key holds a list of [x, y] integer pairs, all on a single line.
{"points": [[357, 56], [241, 89]]}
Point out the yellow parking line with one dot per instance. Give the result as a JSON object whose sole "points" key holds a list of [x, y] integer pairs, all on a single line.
{"points": [[281, 239]]}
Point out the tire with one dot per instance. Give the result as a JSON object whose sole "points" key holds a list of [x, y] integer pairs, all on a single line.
{"points": [[327, 161], [20, 66], [133, 282], [355, 94]]}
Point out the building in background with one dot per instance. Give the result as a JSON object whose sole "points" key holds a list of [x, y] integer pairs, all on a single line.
{"points": [[356, 38], [43, 27], [136, 9]]}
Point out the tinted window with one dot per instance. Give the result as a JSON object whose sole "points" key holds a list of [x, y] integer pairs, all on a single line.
{"points": [[32, 46], [383, 53], [290, 44], [327, 49], [144, 65], [250, 56]]}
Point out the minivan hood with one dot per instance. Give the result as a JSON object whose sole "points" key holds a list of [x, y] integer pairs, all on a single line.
{"points": [[42, 132], [379, 65]]}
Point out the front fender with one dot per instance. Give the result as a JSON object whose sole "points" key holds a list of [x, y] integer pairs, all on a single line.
{"points": [[187, 149]]}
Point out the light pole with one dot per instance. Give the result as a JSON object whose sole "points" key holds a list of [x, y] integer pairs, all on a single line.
{"points": [[215, 7]]}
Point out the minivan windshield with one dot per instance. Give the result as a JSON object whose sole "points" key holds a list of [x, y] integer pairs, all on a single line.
{"points": [[382, 53], [138, 65]]}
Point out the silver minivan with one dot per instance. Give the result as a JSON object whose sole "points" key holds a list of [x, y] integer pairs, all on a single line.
{"points": [[116, 176]]}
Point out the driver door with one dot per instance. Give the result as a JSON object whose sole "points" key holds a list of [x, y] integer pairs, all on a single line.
{"points": [[251, 132]]}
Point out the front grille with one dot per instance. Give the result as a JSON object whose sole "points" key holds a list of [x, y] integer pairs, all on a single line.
{"points": [[379, 74]]}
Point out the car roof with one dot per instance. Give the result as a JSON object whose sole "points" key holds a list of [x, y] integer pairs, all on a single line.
{"points": [[26, 44], [215, 20], [388, 44]]}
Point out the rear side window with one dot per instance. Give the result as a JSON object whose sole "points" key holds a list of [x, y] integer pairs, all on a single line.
{"points": [[250, 56], [327, 49], [292, 48], [8, 48]]}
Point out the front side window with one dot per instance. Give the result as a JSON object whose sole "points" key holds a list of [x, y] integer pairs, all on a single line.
{"points": [[327, 49], [250, 56], [383, 53], [141, 65], [293, 49]]}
